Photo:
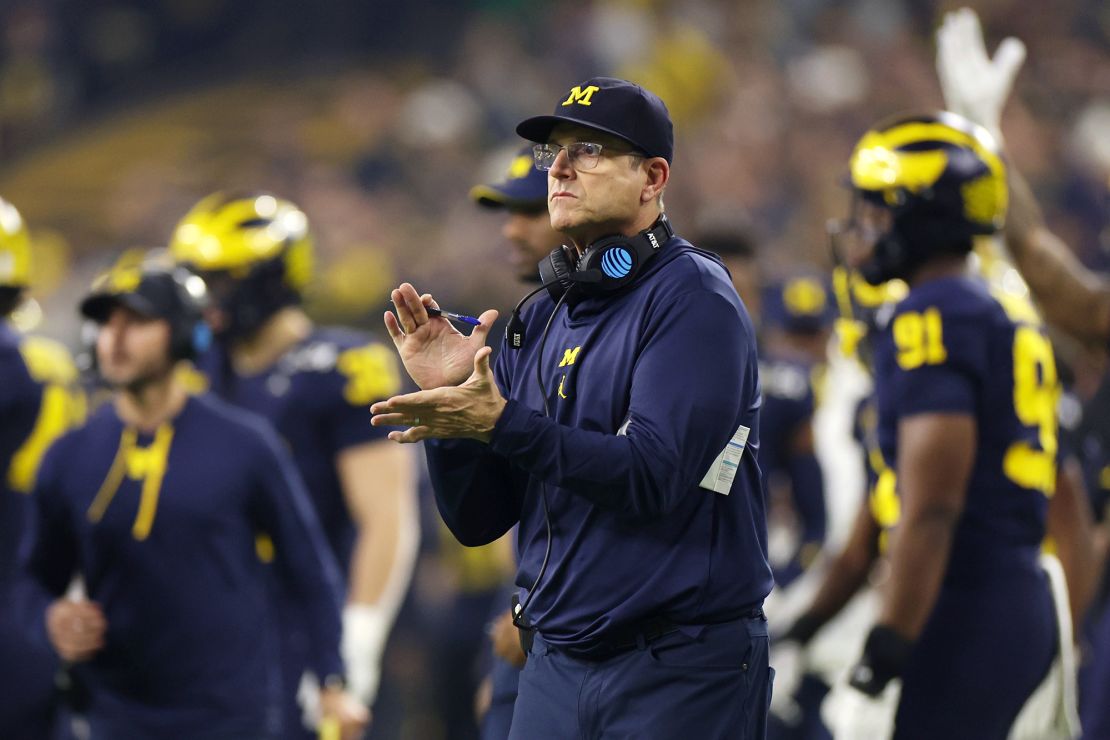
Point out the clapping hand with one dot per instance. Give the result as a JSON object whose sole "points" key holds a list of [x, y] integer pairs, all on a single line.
{"points": [[434, 352]]}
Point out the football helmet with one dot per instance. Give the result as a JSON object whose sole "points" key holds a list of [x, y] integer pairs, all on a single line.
{"points": [[254, 251], [943, 180]]}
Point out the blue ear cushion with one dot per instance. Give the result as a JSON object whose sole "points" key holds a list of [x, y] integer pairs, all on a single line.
{"points": [[202, 337]]}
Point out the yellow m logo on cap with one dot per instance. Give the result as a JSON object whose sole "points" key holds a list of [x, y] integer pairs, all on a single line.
{"points": [[804, 297], [521, 167], [580, 96]]}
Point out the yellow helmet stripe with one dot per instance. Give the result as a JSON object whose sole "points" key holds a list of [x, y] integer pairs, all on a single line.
{"points": [[916, 131]]}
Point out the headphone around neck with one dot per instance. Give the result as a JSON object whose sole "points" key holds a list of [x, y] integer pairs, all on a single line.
{"points": [[608, 264]]}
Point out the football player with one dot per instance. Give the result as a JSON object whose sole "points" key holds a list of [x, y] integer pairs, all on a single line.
{"points": [[39, 400], [801, 684], [966, 390], [794, 330], [315, 385]]}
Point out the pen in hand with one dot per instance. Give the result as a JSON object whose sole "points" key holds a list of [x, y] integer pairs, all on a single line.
{"points": [[434, 312], [453, 316]]}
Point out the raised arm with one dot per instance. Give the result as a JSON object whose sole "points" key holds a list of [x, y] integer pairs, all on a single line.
{"points": [[1072, 297], [977, 86]]}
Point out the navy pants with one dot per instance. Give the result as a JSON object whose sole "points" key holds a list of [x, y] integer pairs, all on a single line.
{"points": [[708, 682], [986, 647]]}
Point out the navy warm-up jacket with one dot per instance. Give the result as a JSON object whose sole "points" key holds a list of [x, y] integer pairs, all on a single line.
{"points": [[645, 388], [164, 534]]}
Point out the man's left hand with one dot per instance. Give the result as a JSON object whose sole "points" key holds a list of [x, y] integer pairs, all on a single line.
{"points": [[469, 410]]}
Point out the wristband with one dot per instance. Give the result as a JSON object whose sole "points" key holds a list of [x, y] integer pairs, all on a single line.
{"points": [[365, 629]]}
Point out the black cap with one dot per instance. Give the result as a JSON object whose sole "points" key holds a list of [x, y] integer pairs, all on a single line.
{"points": [[617, 107], [524, 187], [155, 293]]}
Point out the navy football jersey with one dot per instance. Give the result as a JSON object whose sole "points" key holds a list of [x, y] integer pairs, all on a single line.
{"points": [[162, 527], [882, 499], [788, 401], [318, 397], [788, 406], [39, 400], [954, 347]]}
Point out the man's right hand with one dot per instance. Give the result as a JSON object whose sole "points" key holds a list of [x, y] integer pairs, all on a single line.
{"points": [[76, 629], [434, 352]]}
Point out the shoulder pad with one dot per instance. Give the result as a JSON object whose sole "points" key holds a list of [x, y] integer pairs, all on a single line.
{"points": [[48, 361]]}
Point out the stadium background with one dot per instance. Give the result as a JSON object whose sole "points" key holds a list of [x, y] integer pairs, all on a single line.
{"points": [[377, 117]]}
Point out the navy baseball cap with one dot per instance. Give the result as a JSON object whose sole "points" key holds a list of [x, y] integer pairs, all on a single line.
{"points": [[154, 293], [617, 107], [524, 187]]}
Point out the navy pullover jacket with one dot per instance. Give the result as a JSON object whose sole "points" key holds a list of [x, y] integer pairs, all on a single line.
{"points": [[191, 648], [645, 387]]}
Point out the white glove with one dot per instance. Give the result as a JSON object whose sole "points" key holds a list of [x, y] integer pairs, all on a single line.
{"points": [[850, 714], [974, 85], [788, 660], [365, 630]]}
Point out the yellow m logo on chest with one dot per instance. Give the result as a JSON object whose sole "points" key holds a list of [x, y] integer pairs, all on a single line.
{"points": [[570, 356]]}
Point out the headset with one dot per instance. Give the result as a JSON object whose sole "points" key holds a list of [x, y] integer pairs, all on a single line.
{"points": [[608, 265], [190, 335]]}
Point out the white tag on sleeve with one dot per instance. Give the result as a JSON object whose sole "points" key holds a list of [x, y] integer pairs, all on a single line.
{"points": [[723, 470]]}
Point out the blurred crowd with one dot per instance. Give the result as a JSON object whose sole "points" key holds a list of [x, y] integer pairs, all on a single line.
{"points": [[377, 118]]}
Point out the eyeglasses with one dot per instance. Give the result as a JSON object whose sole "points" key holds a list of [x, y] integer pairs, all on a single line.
{"points": [[583, 155]]}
